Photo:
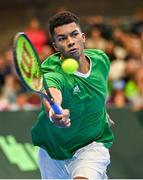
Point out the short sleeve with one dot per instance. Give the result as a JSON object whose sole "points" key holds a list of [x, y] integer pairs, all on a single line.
{"points": [[54, 79], [106, 61]]}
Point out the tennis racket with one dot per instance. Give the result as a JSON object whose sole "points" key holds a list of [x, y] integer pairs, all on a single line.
{"points": [[28, 68]]}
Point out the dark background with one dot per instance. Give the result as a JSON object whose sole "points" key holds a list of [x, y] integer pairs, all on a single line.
{"points": [[80, 7], [15, 14]]}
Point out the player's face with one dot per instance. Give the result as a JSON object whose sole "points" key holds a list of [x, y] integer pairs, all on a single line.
{"points": [[69, 40]]}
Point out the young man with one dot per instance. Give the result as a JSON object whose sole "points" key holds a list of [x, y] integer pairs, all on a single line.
{"points": [[74, 144]]}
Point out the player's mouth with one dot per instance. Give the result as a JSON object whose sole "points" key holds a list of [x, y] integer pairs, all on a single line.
{"points": [[73, 51]]}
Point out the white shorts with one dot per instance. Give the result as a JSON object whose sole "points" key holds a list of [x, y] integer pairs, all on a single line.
{"points": [[90, 161]]}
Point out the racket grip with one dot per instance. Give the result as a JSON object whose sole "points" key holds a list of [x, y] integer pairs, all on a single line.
{"points": [[53, 105], [56, 108]]}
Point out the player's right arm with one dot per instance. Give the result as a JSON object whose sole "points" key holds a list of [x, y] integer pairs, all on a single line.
{"points": [[61, 120]]}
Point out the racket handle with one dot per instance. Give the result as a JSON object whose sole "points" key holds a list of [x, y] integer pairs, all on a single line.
{"points": [[56, 108]]}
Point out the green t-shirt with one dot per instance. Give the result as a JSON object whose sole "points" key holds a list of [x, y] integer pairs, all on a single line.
{"points": [[85, 96]]}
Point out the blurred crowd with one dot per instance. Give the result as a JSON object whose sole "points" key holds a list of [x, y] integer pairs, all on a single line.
{"points": [[120, 38]]}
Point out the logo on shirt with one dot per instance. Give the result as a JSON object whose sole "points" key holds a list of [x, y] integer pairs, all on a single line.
{"points": [[76, 89]]}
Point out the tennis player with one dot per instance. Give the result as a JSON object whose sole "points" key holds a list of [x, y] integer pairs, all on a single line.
{"points": [[74, 145]]}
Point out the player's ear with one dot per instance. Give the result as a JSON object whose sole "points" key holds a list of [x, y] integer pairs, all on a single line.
{"points": [[83, 36], [55, 46]]}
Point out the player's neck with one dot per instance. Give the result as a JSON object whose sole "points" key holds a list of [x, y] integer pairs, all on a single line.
{"points": [[84, 65]]}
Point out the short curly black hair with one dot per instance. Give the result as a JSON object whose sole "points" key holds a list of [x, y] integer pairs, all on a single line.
{"points": [[60, 19]]}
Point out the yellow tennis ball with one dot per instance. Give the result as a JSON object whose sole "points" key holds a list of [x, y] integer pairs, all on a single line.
{"points": [[70, 65]]}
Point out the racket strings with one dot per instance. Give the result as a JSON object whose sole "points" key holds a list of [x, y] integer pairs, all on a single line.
{"points": [[30, 68]]}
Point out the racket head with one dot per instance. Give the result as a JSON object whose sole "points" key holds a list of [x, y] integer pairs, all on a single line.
{"points": [[27, 63], [28, 68]]}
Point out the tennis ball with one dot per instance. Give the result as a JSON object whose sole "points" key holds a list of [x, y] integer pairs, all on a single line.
{"points": [[70, 65]]}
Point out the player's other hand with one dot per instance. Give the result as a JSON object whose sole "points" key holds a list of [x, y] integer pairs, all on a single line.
{"points": [[62, 120]]}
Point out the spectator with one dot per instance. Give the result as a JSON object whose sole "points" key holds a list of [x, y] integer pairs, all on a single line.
{"points": [[46, 51], [95, 40], [22, 103], [134, 47], [10, 88], [8, 58], [135, 89], [118, 98], [4, 104], [4, 70], [119, 37], [109, 49], [36, 34], [137, 25]]}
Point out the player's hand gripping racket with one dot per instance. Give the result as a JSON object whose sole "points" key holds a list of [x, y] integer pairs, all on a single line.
{"points": [[29, 69]]}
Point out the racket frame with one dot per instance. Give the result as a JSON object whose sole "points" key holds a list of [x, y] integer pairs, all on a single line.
{"points": [[48, 95]]}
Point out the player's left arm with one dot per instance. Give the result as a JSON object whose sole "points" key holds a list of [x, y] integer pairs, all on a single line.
{"points": [[110, 121], [107, 64]]}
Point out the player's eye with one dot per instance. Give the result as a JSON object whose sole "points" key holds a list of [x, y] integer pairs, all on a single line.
{"points": [[75, 33], [62, 38]]}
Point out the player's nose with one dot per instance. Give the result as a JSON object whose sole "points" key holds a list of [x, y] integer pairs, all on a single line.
{"points": [[71, 42]]}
